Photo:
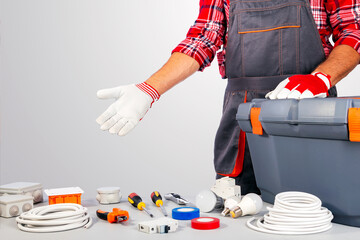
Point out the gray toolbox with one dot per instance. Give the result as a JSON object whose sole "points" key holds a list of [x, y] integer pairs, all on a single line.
{"points": [[309, 145]]}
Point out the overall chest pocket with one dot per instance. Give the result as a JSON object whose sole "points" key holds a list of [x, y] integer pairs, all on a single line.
{"points": [[269, 40]]}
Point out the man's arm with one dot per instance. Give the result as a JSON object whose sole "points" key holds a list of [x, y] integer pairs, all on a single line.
{"points": [[341, 61], [176, 69], [194, 53]]}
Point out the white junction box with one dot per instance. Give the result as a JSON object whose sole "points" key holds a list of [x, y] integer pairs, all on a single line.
{"points": [[24, 188], [225, 187], [14, 205], [161, 225], [108, 195]]}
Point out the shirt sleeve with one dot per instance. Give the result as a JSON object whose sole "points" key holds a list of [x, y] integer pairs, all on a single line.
{"points": [[205, 37], [344, 17]]}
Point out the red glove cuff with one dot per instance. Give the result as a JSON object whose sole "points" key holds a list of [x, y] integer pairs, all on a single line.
{"points": [[149, 90], [324, 77]]}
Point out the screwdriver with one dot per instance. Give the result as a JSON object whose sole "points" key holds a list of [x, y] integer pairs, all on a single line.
{"points": [[137, 202], [157, 199], [117, 215]]}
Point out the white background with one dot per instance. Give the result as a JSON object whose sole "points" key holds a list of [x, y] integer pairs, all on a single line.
{"points": [[55, 55]]}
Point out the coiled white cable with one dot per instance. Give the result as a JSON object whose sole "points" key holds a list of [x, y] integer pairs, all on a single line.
{"points": [[54, 218], [294, 213]]}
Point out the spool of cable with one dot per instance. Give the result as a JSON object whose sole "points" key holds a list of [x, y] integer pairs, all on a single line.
{"points": [[185, 213], [294, 213], [205, 223], [54, 218]]}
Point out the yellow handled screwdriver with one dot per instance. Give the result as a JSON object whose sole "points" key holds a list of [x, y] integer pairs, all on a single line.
{"points": [[157, 199], [137, 202]]}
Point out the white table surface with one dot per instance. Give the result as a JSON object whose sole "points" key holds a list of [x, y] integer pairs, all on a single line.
{"points": [[101, 230]]}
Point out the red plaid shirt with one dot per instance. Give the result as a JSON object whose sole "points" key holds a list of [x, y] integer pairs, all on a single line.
{"points": [[337, 17]]}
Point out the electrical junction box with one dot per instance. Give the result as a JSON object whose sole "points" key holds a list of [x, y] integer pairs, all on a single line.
{"points": [[225, 187], [64, 195], [14, 205], [161, 225], [108, 195], [309, 145], [24, 188]]}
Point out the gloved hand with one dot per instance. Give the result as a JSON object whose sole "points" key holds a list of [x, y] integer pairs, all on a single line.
{"points": [[302, 86], [132, 103]]}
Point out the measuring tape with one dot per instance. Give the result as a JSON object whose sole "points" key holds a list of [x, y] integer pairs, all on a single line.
{"points": [[205, 223], [185, 213]]}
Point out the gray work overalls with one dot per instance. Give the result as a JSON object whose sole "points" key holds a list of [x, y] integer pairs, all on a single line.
{"points": [[268, 41]]}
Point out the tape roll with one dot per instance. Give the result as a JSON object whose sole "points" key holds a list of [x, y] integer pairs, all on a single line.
{"points": [[185, 213], [205, 223]]}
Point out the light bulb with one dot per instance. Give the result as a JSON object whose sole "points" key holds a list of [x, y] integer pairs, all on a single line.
{"points": [[208, 201], [249, 205], [230, 203]]}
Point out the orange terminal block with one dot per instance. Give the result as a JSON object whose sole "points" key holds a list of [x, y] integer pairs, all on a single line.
{"points": [[64, 195]]}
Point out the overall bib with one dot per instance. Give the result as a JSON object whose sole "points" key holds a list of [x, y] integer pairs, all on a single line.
{"points": [[268, 41]]}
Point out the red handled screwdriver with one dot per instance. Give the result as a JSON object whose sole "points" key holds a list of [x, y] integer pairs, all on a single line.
{"points": [[157, 199], [137, 202]]}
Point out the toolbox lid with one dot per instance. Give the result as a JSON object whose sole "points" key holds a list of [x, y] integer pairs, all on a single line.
{"points": [[329, 111], [63, 191], [314, 118], [19, 187]]}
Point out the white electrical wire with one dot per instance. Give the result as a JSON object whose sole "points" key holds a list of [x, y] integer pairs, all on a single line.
{"points": [[294, 213], [54, 218]]}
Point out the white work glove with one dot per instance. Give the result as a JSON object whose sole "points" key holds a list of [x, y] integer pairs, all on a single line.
{"points": [[314, 85], [132, 103]]}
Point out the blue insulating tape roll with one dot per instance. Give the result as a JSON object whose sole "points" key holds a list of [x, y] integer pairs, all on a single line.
{"points": [[185, 213]]}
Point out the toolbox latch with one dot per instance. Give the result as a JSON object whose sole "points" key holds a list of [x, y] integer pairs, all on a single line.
{"points": [[354, 124], [255, 122]]}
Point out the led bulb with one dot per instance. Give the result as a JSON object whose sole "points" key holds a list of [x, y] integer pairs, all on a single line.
{"points": [[249, 205], [230, 203], [208, 201]]}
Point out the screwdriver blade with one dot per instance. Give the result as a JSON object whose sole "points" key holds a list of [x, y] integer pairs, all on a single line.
{"points": [[163, 211], [147, 211]]}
